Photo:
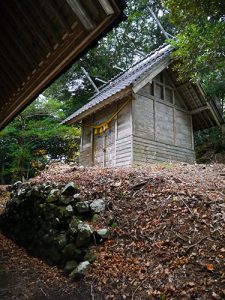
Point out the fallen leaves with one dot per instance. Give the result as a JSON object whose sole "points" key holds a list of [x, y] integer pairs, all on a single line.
{"points": [[168, 237], [210, 267]]}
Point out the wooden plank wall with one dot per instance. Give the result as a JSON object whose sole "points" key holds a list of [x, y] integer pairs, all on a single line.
{"points": [[98, 150], [104, 147], [86, 144], [148, 129], [162, 131], [110, 145], [123, 142]]}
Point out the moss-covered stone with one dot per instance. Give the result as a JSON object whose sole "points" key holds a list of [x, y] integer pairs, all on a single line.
{"points": [[73, 225], [71, 252], [90, 256], [46, 220], [54, 255], [70, 266], [53, 195], [95, 217], [80, 270], [61, 240], [70, 189], [82, 207], [77, 197], [65, 200], [84, 235]]}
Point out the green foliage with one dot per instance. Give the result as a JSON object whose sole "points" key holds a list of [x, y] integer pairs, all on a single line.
{"points": [[200, 43], [34, 138], [210, 145], [210, 138]]}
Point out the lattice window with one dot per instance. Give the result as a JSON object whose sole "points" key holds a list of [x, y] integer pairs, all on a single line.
{"points": [[162, 88]]}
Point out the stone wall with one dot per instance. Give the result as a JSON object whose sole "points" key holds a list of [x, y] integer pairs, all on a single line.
{"points": [[52, 222]]}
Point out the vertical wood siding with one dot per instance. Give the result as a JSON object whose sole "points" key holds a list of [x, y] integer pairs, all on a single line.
{"points": [[162, 128], [86, 144], [110, 145], [123, 144], [153, 127], [100, 150]]}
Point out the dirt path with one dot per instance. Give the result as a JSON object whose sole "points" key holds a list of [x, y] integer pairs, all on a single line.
{"points": [[24, 277]]}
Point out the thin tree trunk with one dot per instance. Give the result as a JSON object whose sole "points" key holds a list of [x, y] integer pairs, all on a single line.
{"points": [[2, 173]]}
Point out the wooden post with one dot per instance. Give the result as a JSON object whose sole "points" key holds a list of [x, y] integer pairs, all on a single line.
{"points": [[104, 150]]}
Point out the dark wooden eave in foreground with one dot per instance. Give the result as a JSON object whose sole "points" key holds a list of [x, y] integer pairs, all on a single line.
{"points": [[40, 38]]}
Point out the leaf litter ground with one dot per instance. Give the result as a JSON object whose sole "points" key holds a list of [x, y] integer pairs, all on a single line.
{"points": [[168, 235]]}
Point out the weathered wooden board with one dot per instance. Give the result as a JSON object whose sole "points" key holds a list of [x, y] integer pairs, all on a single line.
{"points": [[110, 145], [145, 150], [86, 144], [124, 126], [143, 117], [183, 128], [164, 128]]}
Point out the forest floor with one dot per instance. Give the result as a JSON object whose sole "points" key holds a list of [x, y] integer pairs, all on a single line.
{"points": [[168, 240]]}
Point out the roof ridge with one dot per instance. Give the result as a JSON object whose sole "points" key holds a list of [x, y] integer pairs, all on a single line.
{"points": [[105, 85], [125, 78]]}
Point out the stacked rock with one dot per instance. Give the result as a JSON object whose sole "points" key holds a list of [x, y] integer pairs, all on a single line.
{"points": [[52, 222]]}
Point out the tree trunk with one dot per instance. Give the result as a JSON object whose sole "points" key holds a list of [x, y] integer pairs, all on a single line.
{"points": [[2, 173]]}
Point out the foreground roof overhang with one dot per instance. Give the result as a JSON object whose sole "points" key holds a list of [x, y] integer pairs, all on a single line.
{"points": [[40, 39]]}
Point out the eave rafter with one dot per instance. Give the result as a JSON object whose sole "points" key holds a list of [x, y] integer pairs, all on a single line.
{"points": [[82, 14], [39, 39]]}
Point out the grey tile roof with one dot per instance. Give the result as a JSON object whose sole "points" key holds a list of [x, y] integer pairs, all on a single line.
{"points": [[124, 79]]}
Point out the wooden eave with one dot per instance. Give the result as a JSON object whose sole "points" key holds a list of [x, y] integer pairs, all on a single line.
{"points": [[205, 112], [116, 97], [40, 39]]}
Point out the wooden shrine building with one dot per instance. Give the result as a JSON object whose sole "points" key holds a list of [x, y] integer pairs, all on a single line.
{"points": [[144, 115]]}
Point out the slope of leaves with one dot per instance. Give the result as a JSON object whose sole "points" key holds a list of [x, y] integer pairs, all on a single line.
{"points": [[168, 238]]}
